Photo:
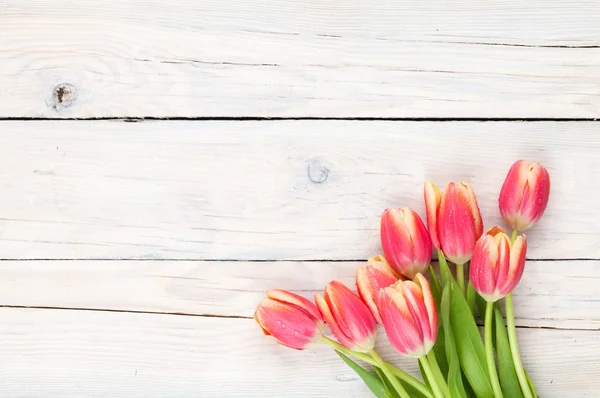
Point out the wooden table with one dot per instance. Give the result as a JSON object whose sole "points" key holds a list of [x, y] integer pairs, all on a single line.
{"points": [[163, 164]]}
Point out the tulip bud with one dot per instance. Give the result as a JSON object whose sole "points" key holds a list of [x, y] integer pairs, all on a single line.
{"points": [[524, 195], [371, 278], [453, 219], [348, 317], [290, 319], [409, 316], [405, 241], [497, 264]]}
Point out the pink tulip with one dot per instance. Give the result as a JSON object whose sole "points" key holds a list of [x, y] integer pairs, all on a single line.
{"points": [[349, 319], [405, 241], [524, 195], [371, 278], [290, 319], [409, 316], [453, 219], [497, 264]]}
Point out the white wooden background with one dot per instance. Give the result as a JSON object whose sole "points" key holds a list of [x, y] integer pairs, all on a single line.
{"points": [[134, 250]]}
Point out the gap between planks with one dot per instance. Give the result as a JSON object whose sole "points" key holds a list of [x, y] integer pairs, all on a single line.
{"points": [[226, 316], [292, 118], [225, 260]]}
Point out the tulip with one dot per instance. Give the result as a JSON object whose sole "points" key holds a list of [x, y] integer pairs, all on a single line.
{"points": [[524, 195], [497, 264], [349, 319], [290, 319], [409, 316], [453, 219], [371, 278], [405, 241], [496, 269]]}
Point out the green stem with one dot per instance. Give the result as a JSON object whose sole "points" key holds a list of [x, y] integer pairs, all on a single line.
{"points": [[460, 277], [437, 373], [384, 367], [399, 373], [437, 392], [514, 348], [514, 236], [489, 350]]}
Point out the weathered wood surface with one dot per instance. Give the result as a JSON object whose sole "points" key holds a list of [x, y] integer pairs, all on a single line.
{"points": [[51, 353], [132, 255], [271, 190], [552, 294], [345, 58]]}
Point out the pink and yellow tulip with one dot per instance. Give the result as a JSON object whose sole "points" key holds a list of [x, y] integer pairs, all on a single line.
{"points": [[409, 316], [349, 319], [497, 264], [290, 319], [405, 241], [373, 277], [524, 195], [453, 219]]}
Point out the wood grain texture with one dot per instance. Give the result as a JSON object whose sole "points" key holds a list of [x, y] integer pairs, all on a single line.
{"points": [[271, 190], [343, 58], [81, 353], [555, 294]]}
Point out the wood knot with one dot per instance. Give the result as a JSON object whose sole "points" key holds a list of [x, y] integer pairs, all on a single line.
{"points": [[63, 96], [317, 171]]}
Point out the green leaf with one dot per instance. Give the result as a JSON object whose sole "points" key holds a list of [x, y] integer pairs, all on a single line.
{"points": [[469, 345], [531, 385], [471, 294], [506, 368], [454, 378], [374, 384], [439, 349], [409, 389], [436, 289], [445, 273], [391, 391]]}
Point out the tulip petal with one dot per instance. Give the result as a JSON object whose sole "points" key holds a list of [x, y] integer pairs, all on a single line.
{"points": [[420, 241], [456, 227], [512, 190], [482, 266], [502, 267], [399, 325], [535, 195], [472, 199], [331, 322], [369, 280], [288, 297], [416, 306], [517, 264], [432, 203], [395, 239], [429, 302]]}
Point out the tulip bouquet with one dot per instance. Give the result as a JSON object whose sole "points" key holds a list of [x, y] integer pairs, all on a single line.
{"points": [[433, 320]]}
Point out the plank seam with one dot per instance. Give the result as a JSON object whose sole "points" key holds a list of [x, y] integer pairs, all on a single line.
{"points": [[226, 316], [293, 118], [233, 260]]}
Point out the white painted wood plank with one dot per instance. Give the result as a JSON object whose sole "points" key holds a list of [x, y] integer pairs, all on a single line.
{"points": [[284, 58], [54, 353], [561, 294], [271, 190]]}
